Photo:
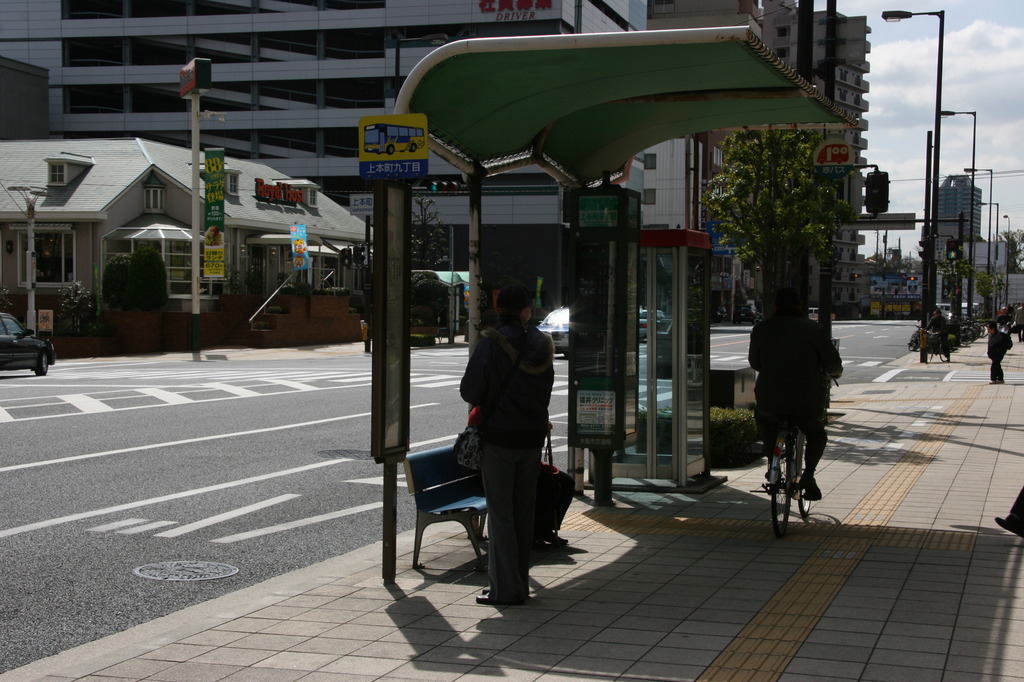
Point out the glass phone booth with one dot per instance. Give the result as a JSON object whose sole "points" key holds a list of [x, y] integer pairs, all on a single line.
{"points": [[673, 336]]}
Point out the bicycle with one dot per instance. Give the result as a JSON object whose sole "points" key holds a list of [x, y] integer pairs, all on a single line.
{"points": [[784, 469], [935, 347]]}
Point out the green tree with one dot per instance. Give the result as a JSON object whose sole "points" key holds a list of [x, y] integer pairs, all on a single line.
{"points": [[429, 250], [986, 284], [147, 280], [428, 291], [76, 307], [1014, 250], [115, 280], [774, 208]]}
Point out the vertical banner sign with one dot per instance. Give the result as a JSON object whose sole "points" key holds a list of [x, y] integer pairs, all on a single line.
{"points": [[213, 237], [300, 248]]}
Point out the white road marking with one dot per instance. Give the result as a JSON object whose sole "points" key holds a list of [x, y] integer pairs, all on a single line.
{"points": [[86, 404], [116, 525], [883, 378], [146, 527], [168, 397], [233, 390], [440, 384], [234, 513], [164, 498], [299, 523]]}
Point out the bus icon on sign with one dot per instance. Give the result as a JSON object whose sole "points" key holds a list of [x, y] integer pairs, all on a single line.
{"points": [[387, 138], [834, 159], [833, 153]]}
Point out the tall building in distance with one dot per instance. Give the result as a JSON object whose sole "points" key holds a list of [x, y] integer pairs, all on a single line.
{"points": [[955, 198]]}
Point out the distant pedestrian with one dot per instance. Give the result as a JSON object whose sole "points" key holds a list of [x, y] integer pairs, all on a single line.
{"points": [[1018, 321], [1014, 521], [998, 343]]}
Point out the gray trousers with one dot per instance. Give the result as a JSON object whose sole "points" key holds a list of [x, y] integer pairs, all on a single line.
{"points": [[510, 484]]}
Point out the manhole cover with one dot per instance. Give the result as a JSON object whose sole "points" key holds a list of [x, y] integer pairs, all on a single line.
{"points": [[185, 570], [346, 454]]}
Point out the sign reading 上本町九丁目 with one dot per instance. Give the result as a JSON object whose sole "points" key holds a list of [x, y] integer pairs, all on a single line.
{"points": [[393, 147]]}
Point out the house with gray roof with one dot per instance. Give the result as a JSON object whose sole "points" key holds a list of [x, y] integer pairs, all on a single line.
{"points": [[101, 197]]}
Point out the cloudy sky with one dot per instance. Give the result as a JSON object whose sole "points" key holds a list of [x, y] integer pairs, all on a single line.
{"points": [[983, 71]]}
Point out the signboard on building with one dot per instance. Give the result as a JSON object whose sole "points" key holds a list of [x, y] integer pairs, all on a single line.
{"points": [[300, 248], [515, 10], [360, 204], [195, 78], [834, 158], [717, 247], [213, 213], [276, 192], [393, 147]]}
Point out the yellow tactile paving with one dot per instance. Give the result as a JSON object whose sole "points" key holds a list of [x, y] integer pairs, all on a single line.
{"points": [[766, 646], [885, 498]]}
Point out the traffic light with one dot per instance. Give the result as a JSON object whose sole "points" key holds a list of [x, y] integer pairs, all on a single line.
{"points": [[358, 256], [953, 249], [876, 192], [346, 258]]}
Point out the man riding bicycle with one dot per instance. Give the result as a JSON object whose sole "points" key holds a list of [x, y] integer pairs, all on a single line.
{"points": [[794, 359]]}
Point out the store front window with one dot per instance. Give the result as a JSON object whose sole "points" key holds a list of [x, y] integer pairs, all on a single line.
{"points": [[55, 257]]}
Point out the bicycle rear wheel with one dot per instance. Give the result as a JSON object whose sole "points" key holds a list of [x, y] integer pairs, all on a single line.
{"points": [[780, 494], [798, 465]]}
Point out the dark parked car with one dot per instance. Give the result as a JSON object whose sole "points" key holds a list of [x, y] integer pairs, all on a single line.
{"points": [[642, 317], [745, 315], [19, 349], [556, 325]]}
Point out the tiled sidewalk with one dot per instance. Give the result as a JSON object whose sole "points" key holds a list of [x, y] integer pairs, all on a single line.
{"points": [[900, 574]]}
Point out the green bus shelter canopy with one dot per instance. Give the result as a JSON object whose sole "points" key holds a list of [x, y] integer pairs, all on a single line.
{"points": [[582, 105]]}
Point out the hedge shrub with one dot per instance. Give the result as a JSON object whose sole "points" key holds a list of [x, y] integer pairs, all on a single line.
{"points": [[147, 280], [733, 432], [420, 340]]}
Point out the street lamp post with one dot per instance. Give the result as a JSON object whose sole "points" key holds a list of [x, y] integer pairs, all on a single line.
{"points": [[970, 247], [972, 171], [992, 270], [899, 15], [1006, 283], [30, 195]]}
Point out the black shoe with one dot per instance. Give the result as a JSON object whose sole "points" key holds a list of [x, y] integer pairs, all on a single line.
{"points": [[485, 600], [809, 489], [1012, 524]]}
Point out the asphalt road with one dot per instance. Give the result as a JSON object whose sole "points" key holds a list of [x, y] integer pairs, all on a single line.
{"points": [[263, 466]]}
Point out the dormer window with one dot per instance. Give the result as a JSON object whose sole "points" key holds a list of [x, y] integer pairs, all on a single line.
{"points": [[58, 174], [65, 167], [153, 191], [311, 198], [231, 182], [154, 200]]}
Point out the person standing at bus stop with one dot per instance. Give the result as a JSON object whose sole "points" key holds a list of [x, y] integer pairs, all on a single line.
{"points": [[510, 374]]}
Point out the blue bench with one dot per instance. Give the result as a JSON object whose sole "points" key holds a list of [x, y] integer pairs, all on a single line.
{"points": [[446, 491]]}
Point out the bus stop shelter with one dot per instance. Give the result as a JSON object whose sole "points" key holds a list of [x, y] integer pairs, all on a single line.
{"points": [[580, 106]]}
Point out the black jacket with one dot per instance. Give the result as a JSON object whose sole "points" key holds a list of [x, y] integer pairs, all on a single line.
{"points": [[793, 357], [515, 416]]}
